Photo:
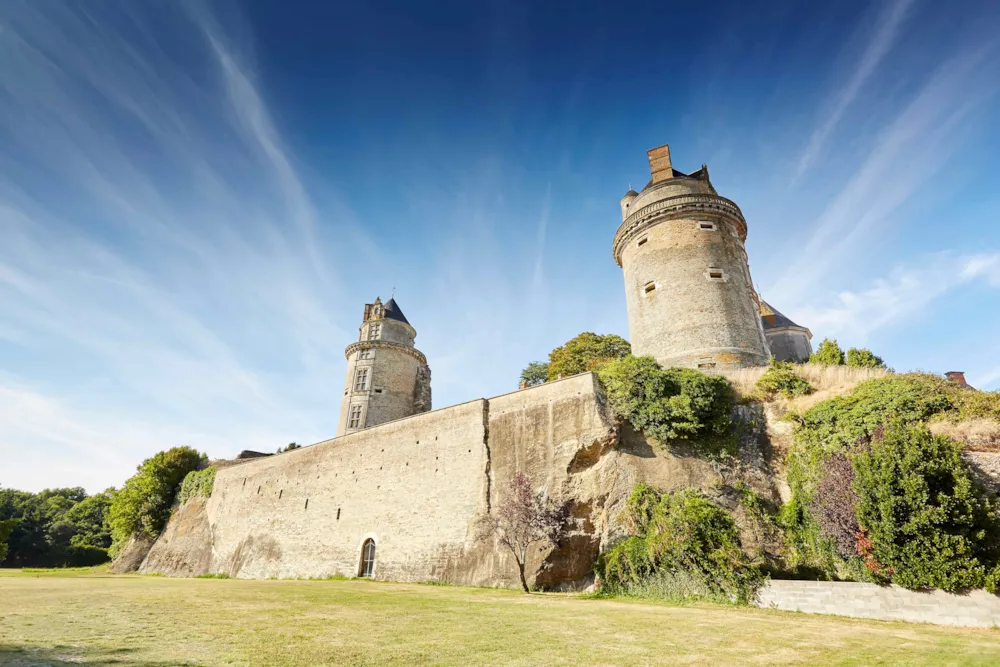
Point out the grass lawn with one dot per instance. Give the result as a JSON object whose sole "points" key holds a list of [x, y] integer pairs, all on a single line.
{"points": [[88, 617]]}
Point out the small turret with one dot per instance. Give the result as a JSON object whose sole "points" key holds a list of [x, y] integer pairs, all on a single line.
{"points": [[627, 201]]}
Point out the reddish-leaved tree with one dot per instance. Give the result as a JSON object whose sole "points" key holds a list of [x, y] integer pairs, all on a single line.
{"points": [[522, 518]]}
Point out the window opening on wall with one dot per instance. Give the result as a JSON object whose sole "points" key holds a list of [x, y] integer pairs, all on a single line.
{"points": [[281, 493], [367, 558], [307, 503], [641, 242], [378, 391], [361, 380], [373, 331], [706, 364], [707, 226], [338, 514], [355, 419], [715, 274], [367, 354], [650, 287]]}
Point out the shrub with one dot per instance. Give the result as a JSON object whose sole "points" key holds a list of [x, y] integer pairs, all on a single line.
{"points": [[835, 504], [143, 504], [781, 379], [197, 483], [672, 404], [925, 521], [586, 352], [828, 353], [863, 358], [535, 373], [686, 546]]}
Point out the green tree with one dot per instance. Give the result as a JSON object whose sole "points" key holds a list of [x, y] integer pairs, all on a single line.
{"points": [[828, 353], [670, 403], [42, 535], [925, 521], [535, 373], [289, 448], [863, 358], [6, 528], [586, 352], [89, 521], [143, 504]]}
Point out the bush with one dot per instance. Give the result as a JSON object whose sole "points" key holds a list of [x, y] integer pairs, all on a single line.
{"points": [[863, 358], [672, 404], [828, 353], [781, 379], [143, 504], [586, 352], [686, 547], [924, 521], [197, 483]]}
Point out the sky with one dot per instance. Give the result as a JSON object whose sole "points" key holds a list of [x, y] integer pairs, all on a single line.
{"points": [[197, 199]]}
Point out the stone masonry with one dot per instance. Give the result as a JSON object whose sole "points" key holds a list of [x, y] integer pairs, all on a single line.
{"points": [[688, 290]]}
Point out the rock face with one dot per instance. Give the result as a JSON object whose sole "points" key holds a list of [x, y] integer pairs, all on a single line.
{"points": [[131, 557], [416, 486]]}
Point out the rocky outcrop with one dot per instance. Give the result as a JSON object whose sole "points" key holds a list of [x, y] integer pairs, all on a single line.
{"points": [[132, 556], [185, 547]]}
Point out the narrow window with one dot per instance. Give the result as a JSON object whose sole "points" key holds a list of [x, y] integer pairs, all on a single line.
{"points": [[378, 391], [367, 558], [361, 380], [258, 490], [355, 420], [641, 242], [338, 514], [650, 287], [280, 493], [706, 226], [307, 503]]}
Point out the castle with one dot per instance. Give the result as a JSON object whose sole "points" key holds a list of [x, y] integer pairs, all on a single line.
{"points": [[396, 494]]}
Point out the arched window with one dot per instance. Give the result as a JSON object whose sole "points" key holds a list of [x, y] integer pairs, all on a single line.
{"points": [[367, 558]]}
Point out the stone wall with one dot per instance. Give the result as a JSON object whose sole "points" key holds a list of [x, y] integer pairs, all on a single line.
{"points": [[886, 603]]}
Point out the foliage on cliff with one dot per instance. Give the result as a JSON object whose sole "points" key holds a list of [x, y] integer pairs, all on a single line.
{"points": [[671, 404], [197, 483], [683, 546], [55, 527], [780, 379], [586, 352], [876, 496], [143, 504]]}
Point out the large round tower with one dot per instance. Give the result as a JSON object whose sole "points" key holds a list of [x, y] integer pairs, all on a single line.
{"points": [[387, 377], [690, 298]]}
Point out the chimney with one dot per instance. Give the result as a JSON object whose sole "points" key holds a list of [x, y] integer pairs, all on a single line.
{"points": [[659, 163], [958, 377]]}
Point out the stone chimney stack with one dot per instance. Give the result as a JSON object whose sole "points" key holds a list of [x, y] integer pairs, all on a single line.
{"points": [[659, 163], [958, 377]]}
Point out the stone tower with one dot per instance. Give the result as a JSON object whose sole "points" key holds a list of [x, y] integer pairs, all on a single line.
{"points": [[690, 298], [387, 377], [786, 340]]}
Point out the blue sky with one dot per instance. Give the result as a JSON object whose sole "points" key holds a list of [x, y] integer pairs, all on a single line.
{"points": [[196, 201]]}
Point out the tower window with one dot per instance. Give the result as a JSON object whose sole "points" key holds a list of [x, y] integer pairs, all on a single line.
{"points": [[641, 242], [650, 287], [374, 330], [355, 419], [361, 380], [367, 354], [718, 275], [707, 226]]}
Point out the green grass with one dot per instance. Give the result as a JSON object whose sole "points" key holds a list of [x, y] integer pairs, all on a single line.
{"points": [[87, 617]]}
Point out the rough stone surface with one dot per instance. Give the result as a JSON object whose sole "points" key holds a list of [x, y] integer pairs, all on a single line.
{"points": [[132, 556], [185, 547], [976, 609]]}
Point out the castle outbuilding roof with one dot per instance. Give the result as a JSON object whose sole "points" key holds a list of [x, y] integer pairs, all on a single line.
{"points": [[393, 312], [772, 319]]}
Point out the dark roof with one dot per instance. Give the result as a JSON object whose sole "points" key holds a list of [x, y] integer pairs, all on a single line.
{"points": [[772, 319], [393, 312], [700, 175]]}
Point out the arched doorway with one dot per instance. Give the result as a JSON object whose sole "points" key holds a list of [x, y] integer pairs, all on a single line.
{"points": [[367, 558]]}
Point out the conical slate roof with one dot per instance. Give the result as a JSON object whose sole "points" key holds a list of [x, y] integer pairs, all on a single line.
{"points": [[393, 312], [772, 319]]}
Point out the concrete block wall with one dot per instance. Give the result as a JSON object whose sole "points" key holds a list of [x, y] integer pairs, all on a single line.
{"points": [[977, 609]]}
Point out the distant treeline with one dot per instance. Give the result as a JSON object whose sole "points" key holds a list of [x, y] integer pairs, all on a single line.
{"points": [[55, 527]]}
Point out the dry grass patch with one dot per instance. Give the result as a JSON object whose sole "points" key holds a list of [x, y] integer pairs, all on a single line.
{"points": [[87, 619]]}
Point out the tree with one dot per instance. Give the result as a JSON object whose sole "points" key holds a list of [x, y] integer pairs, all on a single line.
{"points": [[6, 528], [89, 521], [586, 352], [863, 358], [828, 353], [535, 373], [520, 519], [143, 504], [289, 448]]}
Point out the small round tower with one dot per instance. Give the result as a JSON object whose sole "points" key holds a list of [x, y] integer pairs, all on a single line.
{"points": [[387, 377], [688, 289], [786, 340]]}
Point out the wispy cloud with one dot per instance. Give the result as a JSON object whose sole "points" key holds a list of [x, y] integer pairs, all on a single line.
{"points": [[886, 28], [902, 296]]}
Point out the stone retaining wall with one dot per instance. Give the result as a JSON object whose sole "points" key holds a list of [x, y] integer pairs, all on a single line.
{"points": [[976, 609]]}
